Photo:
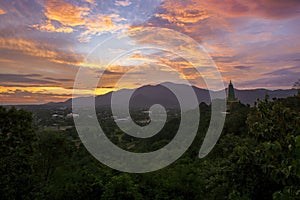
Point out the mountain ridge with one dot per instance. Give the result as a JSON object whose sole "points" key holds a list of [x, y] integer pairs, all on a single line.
{"points": [[148, 95]]}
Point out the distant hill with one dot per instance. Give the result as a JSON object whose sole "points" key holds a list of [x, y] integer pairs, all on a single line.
{"points": [[250, 96], [148, 95]]}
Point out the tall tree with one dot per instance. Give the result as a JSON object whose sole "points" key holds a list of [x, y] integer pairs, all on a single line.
{"points": [[297, 86], [267, 165], [16, 148]]}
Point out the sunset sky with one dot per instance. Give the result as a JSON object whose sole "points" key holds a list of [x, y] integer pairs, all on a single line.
{"points": [[43, 43]]}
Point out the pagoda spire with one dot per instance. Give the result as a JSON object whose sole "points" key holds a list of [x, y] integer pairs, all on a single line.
{"points": [[230, 96], [231, 93]]}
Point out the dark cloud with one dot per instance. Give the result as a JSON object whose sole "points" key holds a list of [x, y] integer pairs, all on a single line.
{"points": [[29, 80], [107, 87], [108, 72], [28, 97], [26, 93], [241, 67], [26, 79], [59, 79], [291, 71]]}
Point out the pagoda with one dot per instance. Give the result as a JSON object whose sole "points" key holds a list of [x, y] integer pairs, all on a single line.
{"points": [[230, 96]]}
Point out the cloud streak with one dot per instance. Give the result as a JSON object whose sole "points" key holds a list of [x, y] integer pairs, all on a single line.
{"points": [[123, 3], [38, 49]]}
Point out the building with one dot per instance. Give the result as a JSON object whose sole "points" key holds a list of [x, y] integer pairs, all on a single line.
{"points": [[72, 115], [230, 96]]}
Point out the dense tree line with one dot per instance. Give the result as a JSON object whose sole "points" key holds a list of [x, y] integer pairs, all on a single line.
{"points": [[257, 157]]}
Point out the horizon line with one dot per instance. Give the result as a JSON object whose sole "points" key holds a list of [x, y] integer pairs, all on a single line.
{"points": [[42, 103]]}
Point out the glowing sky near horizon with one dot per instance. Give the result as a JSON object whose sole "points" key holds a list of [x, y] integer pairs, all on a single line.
{"points": [[43, 43]]}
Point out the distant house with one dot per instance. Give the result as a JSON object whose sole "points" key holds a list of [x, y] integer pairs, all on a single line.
{"points": [[56, 116], [122, 119], [72, 115]]}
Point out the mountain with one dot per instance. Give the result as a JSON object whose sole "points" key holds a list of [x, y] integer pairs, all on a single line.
{"points": [[250, 96], [148, 95]]}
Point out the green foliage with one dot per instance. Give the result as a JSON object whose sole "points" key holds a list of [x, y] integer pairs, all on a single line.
{"points": [[256, 157], [297, 87], [16, 148], [267, 164], [236, 120], [121, 187], [53, 149]]}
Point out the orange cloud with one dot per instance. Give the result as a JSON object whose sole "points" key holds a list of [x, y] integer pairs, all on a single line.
{"points": [[72, 16], [137, 56], [42, 94], [49, 27], [33, 95], [90, 1], [36, 49], [182, 12], [187, 70], [2, 12], [65, 13], [101, 24]]}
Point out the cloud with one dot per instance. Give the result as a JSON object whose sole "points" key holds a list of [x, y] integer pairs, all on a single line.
{"points": [[181, 12], [242, 67], [49, 27], [16, 62], [59, 79], [25, 96], [65, 13], [91, 2], [68, 18], [98, 25], [285, 71], [273, 9], [123, 3], [30, 80], [137, 56], [2, 12], [252, 42], [213, 20], [238, 34], [285, 81], [37, 49], [281, 78], [111, 76]]}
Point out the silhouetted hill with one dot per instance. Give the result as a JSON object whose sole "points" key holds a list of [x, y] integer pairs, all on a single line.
{"points": [[250, 96], [148, 95]]}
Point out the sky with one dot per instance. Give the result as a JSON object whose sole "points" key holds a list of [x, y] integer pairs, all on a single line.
{"points": [[130, 43]]}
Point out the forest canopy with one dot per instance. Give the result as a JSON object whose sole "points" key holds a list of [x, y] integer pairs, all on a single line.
{"points": [[257, 157]]}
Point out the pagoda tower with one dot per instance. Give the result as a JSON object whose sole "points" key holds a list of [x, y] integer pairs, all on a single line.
{"points": [[230, 96]]}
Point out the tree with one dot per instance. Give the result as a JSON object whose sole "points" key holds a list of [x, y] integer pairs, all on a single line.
{"points": [[297, 86], [121, 187], [267, 164], [52, 152], [16, 149]]}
